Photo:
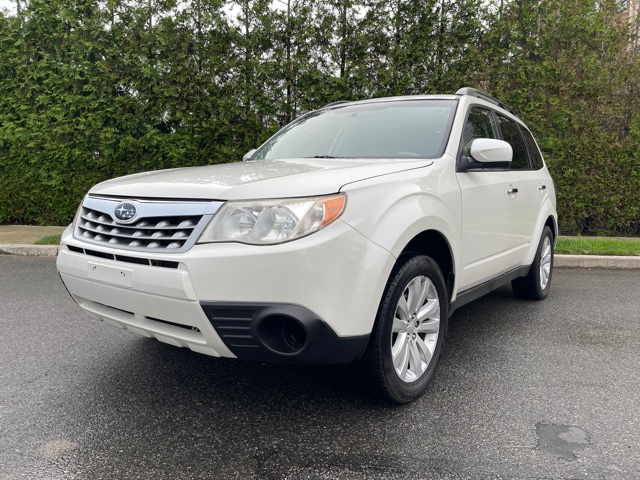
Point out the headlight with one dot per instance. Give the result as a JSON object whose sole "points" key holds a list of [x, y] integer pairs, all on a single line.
{"points": [[265, 222]]}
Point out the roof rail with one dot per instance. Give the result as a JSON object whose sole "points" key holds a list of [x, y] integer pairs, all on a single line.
{"points": [[474, 92], [332, 104]]}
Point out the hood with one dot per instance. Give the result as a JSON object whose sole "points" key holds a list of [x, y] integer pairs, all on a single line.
{"points": [[254, 179]]}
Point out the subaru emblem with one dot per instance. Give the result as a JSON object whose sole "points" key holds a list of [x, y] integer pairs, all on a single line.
{"points": [[125, 212]]}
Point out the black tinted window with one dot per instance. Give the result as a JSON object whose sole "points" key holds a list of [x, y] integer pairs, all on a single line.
{"points": [[480, 124], [534, 151], [511, 135]]}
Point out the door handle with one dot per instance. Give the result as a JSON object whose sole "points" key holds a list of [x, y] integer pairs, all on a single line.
{"points": [[542, 187], [512, 190]]}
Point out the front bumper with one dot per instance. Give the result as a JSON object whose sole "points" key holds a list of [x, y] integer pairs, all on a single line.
{"points": [[235, 300], [177, 321]]}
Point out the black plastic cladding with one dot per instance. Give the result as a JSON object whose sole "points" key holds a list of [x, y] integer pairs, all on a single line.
{"points": [[238, 325]]}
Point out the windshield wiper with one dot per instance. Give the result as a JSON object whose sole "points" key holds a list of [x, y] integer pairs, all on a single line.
{"points": [[322, 156]]}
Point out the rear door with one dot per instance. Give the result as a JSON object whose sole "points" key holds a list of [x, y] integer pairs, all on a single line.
{"points": [[527, 179]]}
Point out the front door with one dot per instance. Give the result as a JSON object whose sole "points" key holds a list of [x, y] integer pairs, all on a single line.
{"points": [[489, 211]]}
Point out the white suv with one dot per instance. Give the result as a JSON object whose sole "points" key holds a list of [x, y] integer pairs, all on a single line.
{"points": [[351, 234]]}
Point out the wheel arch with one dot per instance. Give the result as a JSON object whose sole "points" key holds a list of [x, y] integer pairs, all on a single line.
{"points": [[553, 225], [548, 217], [435, 245]]}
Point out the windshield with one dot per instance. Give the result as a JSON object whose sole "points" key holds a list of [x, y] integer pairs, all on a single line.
{"points": [[398, 129]]}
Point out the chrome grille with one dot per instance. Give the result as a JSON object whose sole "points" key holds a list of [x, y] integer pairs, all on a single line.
{"points": [[160, 226], [154, 232]]}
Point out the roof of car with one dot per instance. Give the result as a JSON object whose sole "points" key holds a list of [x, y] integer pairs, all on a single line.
{"points": [[390, 99], [465, 91]]}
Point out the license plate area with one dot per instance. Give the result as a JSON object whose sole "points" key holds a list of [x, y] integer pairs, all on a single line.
{"points": [[123, 277]]}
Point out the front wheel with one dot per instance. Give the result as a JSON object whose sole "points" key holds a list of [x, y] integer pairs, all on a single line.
{"points": [[536, 285], [408, 337]]}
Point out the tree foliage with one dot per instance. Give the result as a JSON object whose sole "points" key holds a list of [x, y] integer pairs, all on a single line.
{"points": [[92, 89]]}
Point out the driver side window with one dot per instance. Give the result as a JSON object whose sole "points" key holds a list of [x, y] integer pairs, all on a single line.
{"points": [[480, 124]]}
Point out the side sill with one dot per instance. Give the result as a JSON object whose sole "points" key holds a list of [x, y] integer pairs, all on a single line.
{"points": [[478, 291]]}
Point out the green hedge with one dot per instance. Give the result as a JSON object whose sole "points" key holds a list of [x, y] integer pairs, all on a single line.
{"points": [[90, 90]]}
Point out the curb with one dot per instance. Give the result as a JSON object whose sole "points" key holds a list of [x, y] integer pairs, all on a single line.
{"points": [[596, 261], [29, 250], [560, 261]]}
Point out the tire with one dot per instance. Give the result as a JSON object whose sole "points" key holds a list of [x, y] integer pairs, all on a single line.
{"points": [[410, 325], [536, 285]]}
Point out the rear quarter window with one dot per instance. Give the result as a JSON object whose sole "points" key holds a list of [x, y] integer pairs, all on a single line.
{"points": [[534, 151], [511, 134]]}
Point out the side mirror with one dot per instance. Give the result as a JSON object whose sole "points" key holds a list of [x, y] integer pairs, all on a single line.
{"points": [[247, 156], [489, 150], [487, 153]]}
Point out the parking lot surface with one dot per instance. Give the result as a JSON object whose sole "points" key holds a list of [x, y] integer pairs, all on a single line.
{"points": [[526, 390]]}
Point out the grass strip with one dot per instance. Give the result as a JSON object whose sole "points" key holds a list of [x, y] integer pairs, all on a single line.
{"points": [[49, 240], [597, 246]]}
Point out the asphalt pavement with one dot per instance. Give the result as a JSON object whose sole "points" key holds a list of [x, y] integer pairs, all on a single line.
{"points": [[526, 390]]}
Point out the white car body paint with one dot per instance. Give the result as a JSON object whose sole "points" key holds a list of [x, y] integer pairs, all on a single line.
{"points": [[339, 273]]}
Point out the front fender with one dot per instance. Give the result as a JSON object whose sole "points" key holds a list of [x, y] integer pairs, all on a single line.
{"points": [[392, 210]]}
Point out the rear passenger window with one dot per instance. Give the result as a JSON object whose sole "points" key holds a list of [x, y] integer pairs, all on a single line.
{"points": [[480, 124], [534, 151], [511, 135]]}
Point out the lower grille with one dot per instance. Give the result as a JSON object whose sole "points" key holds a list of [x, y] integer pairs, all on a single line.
{"points": [[233, 326], [124, 258]]}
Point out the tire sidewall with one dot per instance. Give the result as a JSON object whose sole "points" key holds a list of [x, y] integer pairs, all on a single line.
{"points": [[542, 293], [413, 267]]}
